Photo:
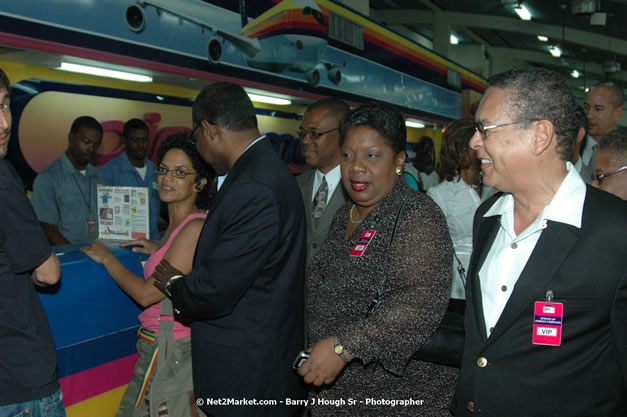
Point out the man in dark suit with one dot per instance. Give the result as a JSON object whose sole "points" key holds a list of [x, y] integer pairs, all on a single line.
{"points": [[546, 315], [244, 297], [320, 186]]}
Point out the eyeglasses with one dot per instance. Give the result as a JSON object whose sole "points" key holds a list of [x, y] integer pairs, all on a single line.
{"points": [[479, 127], [302, 134], [191, 134], [176, 173], [599, 178]]}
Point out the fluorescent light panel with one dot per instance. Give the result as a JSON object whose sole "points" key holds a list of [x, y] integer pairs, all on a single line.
{"points": [[543, 38], [522, 12], [101, 72], [575, 74], [555, 51], [270, 100], [414, 123], [454, 40]]}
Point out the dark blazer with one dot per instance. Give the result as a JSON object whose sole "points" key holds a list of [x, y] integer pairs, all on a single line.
{"points": [[245, 294], [317, 235], [587, 374]]}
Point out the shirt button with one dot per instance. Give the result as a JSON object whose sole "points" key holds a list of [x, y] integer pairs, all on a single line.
{"points": [[482, 362], [514, 245], [471, 406], [503, 288]]}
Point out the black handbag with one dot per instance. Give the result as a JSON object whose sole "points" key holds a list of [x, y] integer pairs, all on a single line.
{"points": [[446, 345]]}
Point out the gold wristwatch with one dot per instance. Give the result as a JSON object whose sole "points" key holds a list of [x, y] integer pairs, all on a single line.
{"points": [[339, 349]]}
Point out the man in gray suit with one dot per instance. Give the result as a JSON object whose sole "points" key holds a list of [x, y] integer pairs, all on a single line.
{"points": [[320, 186]]}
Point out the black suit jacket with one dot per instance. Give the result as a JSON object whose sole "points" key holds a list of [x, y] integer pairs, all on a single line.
{"points": [[586, 270], [316, 235], [245, 294]]}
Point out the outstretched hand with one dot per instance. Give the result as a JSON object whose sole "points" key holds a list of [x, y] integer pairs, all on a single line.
{"points": [[142, 246], [163, 272], [97, 251]]}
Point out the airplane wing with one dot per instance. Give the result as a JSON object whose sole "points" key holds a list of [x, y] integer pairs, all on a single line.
{"points": [[250, 47]]}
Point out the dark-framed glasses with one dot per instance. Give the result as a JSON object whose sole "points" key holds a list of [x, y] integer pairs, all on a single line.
{"points": [[479, 127], [599, 178], [191, 134], [176, 173], [302, 134]]}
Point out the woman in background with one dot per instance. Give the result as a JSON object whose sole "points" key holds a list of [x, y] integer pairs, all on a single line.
{"points": [[458, 195], [162, 380], [360, 354]]}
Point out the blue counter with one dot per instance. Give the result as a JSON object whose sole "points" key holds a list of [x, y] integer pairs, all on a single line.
{"points": [[94, 324]]}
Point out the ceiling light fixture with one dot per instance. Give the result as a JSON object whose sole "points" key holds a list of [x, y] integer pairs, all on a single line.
{"points": [[454, 40], [270, 100], [575, 74], [101, 72], [555, 51], [543, 38], [522, 12], [414, 123]]}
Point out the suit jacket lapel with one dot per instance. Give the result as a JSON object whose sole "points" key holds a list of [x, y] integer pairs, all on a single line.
{"points": [[488, 229], [552, 249]]}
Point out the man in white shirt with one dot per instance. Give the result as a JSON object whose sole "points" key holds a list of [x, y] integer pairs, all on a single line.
{"points": [[604, 106], [320, 186], [547, 284]]}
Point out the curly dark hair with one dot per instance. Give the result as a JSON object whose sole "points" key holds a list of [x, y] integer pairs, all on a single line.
{"points": [[203, 169], [454, 152], [383, 118], [4, 81], [541, 94]]}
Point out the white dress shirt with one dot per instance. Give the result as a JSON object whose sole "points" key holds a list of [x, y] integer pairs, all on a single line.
{"points": [[509, 253], [459, 201], [333, 179], [429, 180]]}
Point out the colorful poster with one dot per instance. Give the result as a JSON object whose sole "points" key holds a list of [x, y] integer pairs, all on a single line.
{"points": [[122, 212]]}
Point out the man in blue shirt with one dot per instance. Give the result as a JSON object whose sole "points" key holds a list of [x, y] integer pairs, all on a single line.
{"points": [[132, 169], [65, 192]]}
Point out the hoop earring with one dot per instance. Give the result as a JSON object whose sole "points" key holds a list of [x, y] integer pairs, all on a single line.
{"points": [[399, 171]]}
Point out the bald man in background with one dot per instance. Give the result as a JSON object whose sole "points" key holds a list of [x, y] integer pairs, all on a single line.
{"points": [[604, 106]]}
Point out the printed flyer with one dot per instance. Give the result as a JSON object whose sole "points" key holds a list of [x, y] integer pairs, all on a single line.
{"points": [[123, 212]]}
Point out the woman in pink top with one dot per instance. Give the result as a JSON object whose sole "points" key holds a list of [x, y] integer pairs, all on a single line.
{"points": [[162, 381]]}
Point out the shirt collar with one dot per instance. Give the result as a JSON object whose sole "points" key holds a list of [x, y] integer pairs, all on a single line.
{"points": [[565, 207], [333, 177]]}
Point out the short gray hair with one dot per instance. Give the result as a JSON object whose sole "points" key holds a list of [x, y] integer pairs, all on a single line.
{"points": [[615, 144], [541, 94]]}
